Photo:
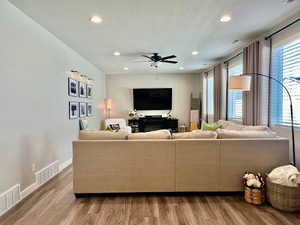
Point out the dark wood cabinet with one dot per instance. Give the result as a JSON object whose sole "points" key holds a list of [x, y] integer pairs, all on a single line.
{"points": [[153, 123]]}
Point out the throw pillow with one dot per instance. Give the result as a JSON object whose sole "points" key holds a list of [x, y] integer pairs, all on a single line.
{"points": [[83, 124], [115, 126], [225, 124], [211, 127]]}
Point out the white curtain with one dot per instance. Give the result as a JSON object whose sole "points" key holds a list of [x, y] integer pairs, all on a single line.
{"points": [[219, 94], [251, 64]]}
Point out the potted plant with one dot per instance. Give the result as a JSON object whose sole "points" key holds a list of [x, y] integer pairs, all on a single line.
{"points": [[254, 188]]}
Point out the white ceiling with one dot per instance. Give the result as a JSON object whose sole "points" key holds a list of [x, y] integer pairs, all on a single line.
{"points": [[136, 27]]}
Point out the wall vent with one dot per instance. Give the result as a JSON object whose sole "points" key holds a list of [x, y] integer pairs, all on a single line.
{"points": [[13, 196], [47, 173], [9, 199]]}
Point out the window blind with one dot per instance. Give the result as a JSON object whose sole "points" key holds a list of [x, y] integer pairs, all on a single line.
{"points": [[235, 98], [286, 68]]}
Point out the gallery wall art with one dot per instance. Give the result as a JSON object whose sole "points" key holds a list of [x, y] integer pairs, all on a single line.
{"points": [[89, 109], [82, 109], [80, 87], [82, 90], [73, 110], [72, 87], [89, 91]]}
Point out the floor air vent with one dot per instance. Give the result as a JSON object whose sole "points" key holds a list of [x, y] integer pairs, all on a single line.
{"points": [[9, 199], [47, 173]]}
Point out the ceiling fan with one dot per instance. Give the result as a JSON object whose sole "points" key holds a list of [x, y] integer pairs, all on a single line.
{"points": [[155, 59]]}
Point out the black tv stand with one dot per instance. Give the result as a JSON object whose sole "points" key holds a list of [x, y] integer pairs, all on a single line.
{"points": [[146, 124], [153, 116]]}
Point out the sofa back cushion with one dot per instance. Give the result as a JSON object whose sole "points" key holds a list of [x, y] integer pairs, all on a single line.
{"points": [[258, 128], [158, 134], [196, 134], [229, 125], [102, 135], [244, 134]]}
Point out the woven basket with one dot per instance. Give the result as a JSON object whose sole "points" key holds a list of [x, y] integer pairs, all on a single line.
{"points": [[283, 197], [254, 196]]}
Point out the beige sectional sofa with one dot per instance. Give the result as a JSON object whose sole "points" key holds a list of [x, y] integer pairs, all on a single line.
{"points": [[172, 165]]}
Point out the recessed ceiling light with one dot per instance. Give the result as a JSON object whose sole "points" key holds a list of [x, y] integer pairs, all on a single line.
{"points": [[195, 53], [96, 19], [181, 68], [117, 53], [126, 68], [225, 18]]}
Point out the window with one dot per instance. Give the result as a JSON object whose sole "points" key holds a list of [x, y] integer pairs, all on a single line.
{"points": [[204, 97], [210, 96], [235, 98], [286, 68]]}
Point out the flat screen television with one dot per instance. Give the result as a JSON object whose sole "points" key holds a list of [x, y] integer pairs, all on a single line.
{"points": [[152, 98]]}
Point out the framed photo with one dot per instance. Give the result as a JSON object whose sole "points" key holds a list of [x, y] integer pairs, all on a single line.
{"points": [[90, 111], [73, 110], [82, 90], [82, 109], [72, 87], [89, 90]]}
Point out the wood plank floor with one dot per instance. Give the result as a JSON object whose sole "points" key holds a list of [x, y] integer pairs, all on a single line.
{"points": [[54, 204]]}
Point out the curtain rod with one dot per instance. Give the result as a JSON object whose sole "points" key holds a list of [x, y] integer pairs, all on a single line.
{"points": [[233, 57], [206, 72], [281, 29]]}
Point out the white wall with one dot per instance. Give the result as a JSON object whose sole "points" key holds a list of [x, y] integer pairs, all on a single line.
{"points": [[34, 124], [119, 89]]}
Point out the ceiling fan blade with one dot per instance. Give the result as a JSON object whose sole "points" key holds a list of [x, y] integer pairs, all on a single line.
{"points": [[141, 61], [169, 57], [167, 61], [147, 57]]}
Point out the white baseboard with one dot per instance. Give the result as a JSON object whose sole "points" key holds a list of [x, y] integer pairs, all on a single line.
{"points": [[65, 164], [27, 191], [4, 206]]}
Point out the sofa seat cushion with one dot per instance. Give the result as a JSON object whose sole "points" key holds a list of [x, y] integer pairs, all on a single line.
{"points": [[196, 134], [102, 135], [158, 134], [244, 134]]}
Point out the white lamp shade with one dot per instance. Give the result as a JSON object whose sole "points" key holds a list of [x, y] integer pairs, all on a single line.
{"points": [[240, 83]]}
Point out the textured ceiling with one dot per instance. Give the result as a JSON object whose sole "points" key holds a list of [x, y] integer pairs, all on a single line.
{"points": [[136, 27]]}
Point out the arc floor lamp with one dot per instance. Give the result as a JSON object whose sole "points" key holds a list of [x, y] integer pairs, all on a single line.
{"points": [[243, 83]]}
